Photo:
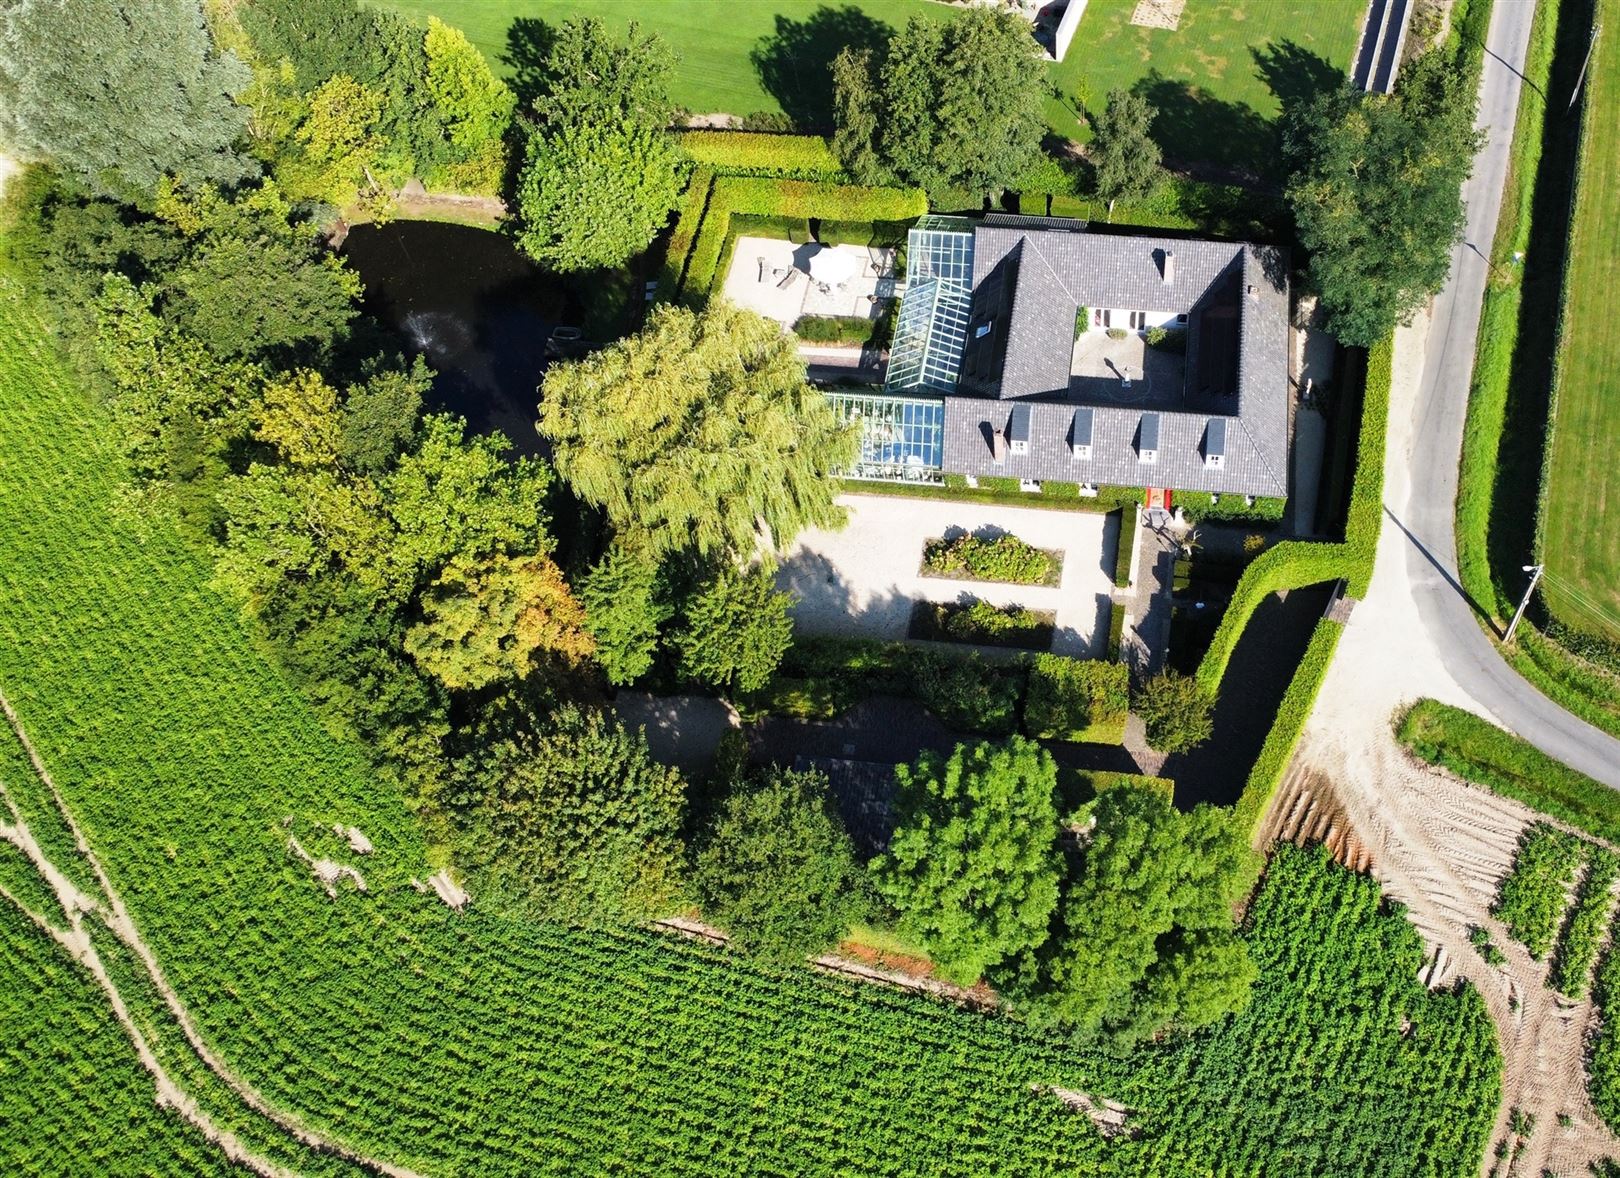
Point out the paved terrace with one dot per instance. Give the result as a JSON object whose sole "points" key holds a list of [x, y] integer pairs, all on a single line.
{"points": [[772, 278]]}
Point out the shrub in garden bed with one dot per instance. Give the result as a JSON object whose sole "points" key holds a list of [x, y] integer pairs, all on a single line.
{"points": [[1078, 700], [982, 624], [1168, 339], [843, 329], [992, 558], [1536, 892]]}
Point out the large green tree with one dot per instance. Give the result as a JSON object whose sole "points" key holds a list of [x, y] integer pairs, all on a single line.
{"points": [[1376, 193], [576, 822], [590, 76], [973, 866], [591, 195], [698, 433], [950, 105], [1147, 941], [625, 604], [120, 93], [736, 629], [1126, 158], [1176, 711], [776, 868]]}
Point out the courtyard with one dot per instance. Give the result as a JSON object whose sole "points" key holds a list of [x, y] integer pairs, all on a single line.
{"points": [[1125, 371], [864, 580]]}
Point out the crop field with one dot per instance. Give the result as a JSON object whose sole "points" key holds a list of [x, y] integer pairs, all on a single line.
{"points": [[1218, 78], [1581, 510], [460, 1043]]}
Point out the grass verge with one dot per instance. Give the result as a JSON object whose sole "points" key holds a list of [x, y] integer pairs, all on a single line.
{"points": [[1496, 760]]}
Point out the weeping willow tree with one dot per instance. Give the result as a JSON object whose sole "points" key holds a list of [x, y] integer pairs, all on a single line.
{"points": [[699, 434]]}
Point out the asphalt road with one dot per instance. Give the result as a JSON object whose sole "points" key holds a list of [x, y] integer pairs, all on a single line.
{"points": [[1428, 513]]}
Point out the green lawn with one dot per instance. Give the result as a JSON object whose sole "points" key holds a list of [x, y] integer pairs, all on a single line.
{"points": [[1581, 514], [1217, 79]]}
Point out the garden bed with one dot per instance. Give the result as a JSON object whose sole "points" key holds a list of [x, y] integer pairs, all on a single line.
{"points": [[1004, 560], [978, 623]]}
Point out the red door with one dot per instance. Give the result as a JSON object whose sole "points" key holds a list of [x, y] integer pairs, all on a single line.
{"points": [[1158, 497]]}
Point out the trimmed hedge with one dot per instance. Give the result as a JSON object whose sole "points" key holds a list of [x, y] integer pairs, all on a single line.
{"points": [[753, 153], [844, 329], [1292, 713], [1124, 549], [693, 205], [734, 195], [1079, 787], [979, 623], [1266, 510], [1484, 754], [1077, 700]]}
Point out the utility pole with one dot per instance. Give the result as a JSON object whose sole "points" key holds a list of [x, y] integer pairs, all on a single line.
{"points": [[1576, 93], [1535, 570]]}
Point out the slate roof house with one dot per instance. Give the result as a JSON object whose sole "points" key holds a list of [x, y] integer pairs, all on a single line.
{"points": [[1019, 352]]}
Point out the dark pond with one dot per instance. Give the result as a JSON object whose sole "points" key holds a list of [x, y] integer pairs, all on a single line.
{"points": [[474, 307]]}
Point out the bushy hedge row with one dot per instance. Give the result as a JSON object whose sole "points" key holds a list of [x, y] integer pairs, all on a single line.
{"points": [[843, 329], [751, 153], [1003, 558], [1484, 754], [1125, 549], [1535, 894], [732, 195], [1265, 510], [1292, 713], [1583, 935], [1075, 699]]}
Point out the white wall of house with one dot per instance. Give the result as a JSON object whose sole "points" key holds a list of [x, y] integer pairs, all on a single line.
{"points": [[1121, 317]]}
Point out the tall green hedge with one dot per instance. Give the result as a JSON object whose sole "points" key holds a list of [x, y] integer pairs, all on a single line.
{"points": [[693, 205], [751, 153]]}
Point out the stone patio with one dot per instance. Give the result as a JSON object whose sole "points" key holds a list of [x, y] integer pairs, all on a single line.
{"points": [[1099, 366], [772, 277]]}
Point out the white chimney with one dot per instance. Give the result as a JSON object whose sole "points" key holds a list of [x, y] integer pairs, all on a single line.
{"points": [[1169, 267]]}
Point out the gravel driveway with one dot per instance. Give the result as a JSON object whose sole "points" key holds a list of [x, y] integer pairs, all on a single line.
{"points": [[863, 580]]}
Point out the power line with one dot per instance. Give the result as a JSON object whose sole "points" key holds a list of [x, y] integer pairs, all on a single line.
{"points": [[1577, 597]]}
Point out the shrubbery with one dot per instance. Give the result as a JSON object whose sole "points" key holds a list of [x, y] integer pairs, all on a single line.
{"points": [[844, 329], [1535, 893], [1071, 699], [1168, 339], [991, 558], [982, 624]]}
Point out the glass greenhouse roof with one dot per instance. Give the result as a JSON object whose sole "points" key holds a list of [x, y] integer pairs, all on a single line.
{"points": [[931, 328], [902, 438]]}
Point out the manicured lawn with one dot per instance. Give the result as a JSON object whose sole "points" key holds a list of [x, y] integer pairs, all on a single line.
{"points": [[1217, 79], [1581, 528]]}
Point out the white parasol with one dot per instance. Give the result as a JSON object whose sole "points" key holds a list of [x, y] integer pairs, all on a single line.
{"points": [[833, 267]]}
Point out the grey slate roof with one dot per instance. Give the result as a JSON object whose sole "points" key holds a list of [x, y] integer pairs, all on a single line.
{"points": [[1031, 275]]}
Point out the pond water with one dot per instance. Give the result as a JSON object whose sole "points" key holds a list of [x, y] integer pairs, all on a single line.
{"points": [[478, 310]]}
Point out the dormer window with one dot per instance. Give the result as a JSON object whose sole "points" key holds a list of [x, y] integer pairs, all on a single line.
{"points": [[1018, 430], [1080, 434], [1147, 439], [1215, 444]]}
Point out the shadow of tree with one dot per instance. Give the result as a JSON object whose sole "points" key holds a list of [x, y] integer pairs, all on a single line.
{"points": [[1295, 74], [529, 41], [795, 62], [1194, 125]]}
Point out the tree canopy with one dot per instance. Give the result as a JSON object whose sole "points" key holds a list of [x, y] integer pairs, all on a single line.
{"points": [[1377, 196], [1122, 149], [601, 174], [949, 105], [777, 870], [592, 195], [1176, 712], [575, 823], [1147, 940], [697, 433], [736, 630], [624, 607], [973, 866], [120, 93]]}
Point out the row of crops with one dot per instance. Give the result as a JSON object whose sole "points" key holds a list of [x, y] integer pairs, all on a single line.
{"points": [[1560, 898], [467, 1044]]}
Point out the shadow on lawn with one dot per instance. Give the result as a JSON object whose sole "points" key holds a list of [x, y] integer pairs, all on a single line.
{"points": [[795, 62]]}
